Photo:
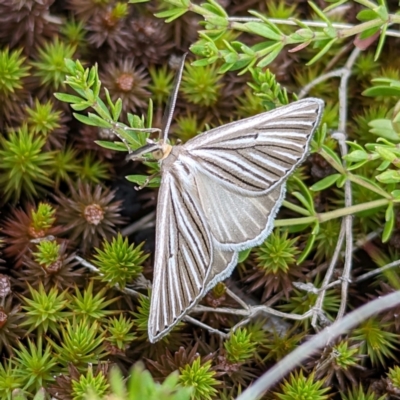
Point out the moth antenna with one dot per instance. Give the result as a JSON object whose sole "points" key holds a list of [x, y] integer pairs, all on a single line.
{"points": [[169, 110]]}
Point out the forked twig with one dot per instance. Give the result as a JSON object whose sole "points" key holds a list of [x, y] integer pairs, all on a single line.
{"points": [[346, 228]]}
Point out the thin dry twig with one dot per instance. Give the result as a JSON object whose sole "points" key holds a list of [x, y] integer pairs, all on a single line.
{"points": [[323, 338], [145, 222], [344, 74], [348, 197], [314, 24]]}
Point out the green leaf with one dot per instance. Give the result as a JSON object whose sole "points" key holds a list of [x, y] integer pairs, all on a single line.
{"points": [[367, 15], [384, 129], [243, 255], [320, 13], [309, 246], [325, 183], [171, 15], [382, 12], [261, 29], [369, 32], [71, 66], [84, 119], [389, 225], [383, 166], [304, 202], [320, 135], [341, 181], [381, 42], [100, 121], [357, 155], [149, 116], [275, 50], [102, 109], [333, 6], [68, 98], [116, 112], [324, 50], [117, 146], [141, 179], [356, 165], [329, 152], [389, 176], [382, 91], [306, 193], [83, 105]]}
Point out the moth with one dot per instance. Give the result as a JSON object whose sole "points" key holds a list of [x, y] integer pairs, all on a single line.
{"points": [[219, 195]]}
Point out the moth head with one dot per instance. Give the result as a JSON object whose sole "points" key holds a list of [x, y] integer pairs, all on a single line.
{"points": [[162, 152], [159, 150]]}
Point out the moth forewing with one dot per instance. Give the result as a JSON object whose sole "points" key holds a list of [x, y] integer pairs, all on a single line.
{"points": [[183, 257], [254, 155], [219, 194]]}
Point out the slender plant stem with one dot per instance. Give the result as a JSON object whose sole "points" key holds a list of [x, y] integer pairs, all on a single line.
{"points": [[295, 208], [341, 212]]}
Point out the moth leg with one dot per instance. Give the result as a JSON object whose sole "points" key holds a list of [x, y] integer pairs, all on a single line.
{"points": [[147, 181]]}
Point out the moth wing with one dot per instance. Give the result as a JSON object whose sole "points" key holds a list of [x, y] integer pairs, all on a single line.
{"points": [[237, 222], [255, 155], [184, 256]]}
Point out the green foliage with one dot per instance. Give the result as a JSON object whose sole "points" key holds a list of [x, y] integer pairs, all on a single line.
{"points": [[376, 341], [300, 387], [74, 32], [346, 356], [89, 383], [237, 55], [394, 376], [119, 262], [358, 393], [12, 72], [42, 118], [91, 170], [141, 385], [11, 378], [201, 378], [20, 395], [66, 165], [278, 344], [267, 89], [24, 165], [326, 239], [277, 253], [313, 209], [47, 253], [81, 343], [201, 85], [142, 316], [45, 311], [187, 127], [43, 218], [50, 65], [36, 366], [119, 332], [88, 306], [240, 346], [161, 87]]}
